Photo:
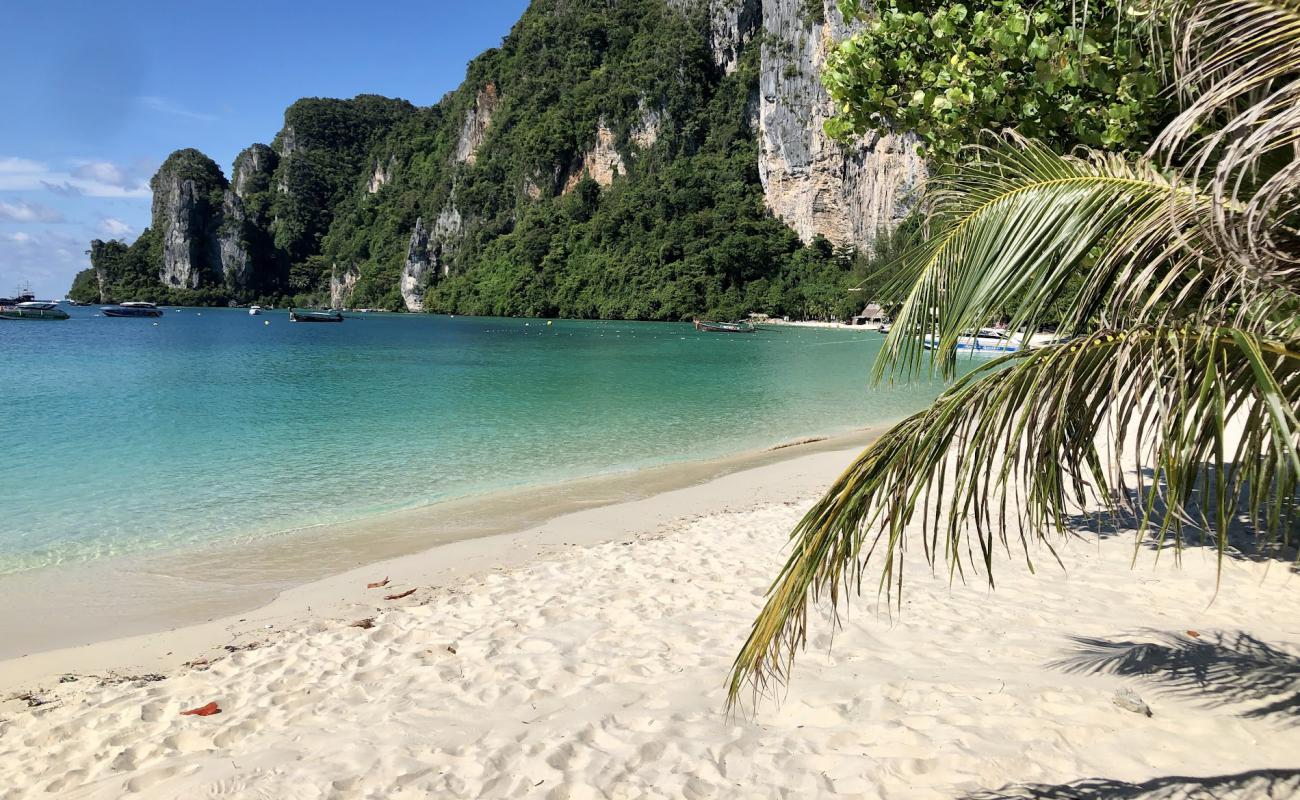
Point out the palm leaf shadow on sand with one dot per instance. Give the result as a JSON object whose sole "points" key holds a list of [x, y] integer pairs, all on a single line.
{"points": [[1213, 670], [1261, 783], [1242, 539]]}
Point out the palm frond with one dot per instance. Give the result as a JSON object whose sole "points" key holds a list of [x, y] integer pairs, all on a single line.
{"points": [[1229, 55], [1016, 226], [1211, 409], [1237, 67]]}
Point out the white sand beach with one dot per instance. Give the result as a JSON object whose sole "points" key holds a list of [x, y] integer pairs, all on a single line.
{"points": [[586, 658]]}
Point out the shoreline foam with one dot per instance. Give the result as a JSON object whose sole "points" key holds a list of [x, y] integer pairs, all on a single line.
{"points": [[198, 595]]}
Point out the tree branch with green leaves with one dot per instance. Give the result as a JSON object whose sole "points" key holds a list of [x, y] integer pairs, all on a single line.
{"points": [[948, 70]]}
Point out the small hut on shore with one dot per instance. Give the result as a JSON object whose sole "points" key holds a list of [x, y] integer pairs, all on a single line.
{"points": [[872, 314]]}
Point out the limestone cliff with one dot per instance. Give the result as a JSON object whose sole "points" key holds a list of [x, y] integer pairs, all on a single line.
{"points": [[474, 130], [233, 245], [602, 163], [382, 175], [427, 254], [188, 193], [253, 170], [415, 271], [650, 121], [846, 192], [732, 25], [341, 285]]}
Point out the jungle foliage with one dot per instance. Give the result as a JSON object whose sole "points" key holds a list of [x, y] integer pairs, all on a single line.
{"points": [[518, 226]]}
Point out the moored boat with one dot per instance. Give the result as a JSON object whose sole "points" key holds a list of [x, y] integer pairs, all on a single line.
{"points": [[987, 342], [314, 316], [253, 311], [32, 309], [724, 327], [24, 295], [133, 308]]}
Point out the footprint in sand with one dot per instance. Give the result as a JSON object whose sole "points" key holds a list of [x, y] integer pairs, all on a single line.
{"points": [[147, 780]]}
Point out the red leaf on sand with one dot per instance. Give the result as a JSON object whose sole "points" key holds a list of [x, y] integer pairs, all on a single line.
{"points": [[1194, 634], [400, 595], [204, 711], [377, 584]]}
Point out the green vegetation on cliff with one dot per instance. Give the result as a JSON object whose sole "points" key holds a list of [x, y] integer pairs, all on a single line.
{"points": [[323, 148], [600, 163], [617, 177]]}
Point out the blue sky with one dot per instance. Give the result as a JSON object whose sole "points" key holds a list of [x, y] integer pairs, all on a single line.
{"points": [[96, 94]]}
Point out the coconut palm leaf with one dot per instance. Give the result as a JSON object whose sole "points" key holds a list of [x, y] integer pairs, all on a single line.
{"points": [[1237, 66], [1228, 52], [1213, 410], [1015, 226]]}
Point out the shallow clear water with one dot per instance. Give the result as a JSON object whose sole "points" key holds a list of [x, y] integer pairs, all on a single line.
{"points": [[122, 435]]}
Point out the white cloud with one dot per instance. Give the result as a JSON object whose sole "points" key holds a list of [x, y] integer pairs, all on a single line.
{"points": [[20, 237], [23, 211], [114, 228], [102, 172], [165, 106], [85, 177], [20, 166]]}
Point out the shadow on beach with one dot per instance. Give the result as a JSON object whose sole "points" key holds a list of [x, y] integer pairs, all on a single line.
{"points": [[1236, 671], [1270, 783], [1212, 670], [1244, 539]]}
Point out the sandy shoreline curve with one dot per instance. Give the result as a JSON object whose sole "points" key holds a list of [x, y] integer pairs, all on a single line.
{"points": [[128, 614]]}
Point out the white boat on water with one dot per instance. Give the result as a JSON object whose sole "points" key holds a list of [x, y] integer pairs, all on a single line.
{"points": [[987, 342], [991, 342], [253, 311]]}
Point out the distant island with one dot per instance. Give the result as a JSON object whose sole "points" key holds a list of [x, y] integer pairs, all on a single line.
{"points": [[653, 159]]}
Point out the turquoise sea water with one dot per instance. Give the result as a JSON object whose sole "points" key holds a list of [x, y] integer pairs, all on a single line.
{"points": [[121, 435]]}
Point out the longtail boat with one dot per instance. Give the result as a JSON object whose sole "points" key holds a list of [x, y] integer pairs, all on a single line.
{"points": [[724, 327], [314, 316]]}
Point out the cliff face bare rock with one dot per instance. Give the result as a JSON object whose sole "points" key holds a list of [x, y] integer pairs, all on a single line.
{"points": [[382, 175], [416, 269], [232, 244], [188, 194], [475, 128], [448, 229], [602, 162], [427, 254], [253, 171], [341, 285], [649, 122], [732, 24], [846, 192]]}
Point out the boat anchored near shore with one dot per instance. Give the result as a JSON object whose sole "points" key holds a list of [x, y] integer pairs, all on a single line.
{"points": [[135, 308], [314, 316], [724, 327], [32, 309]]}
